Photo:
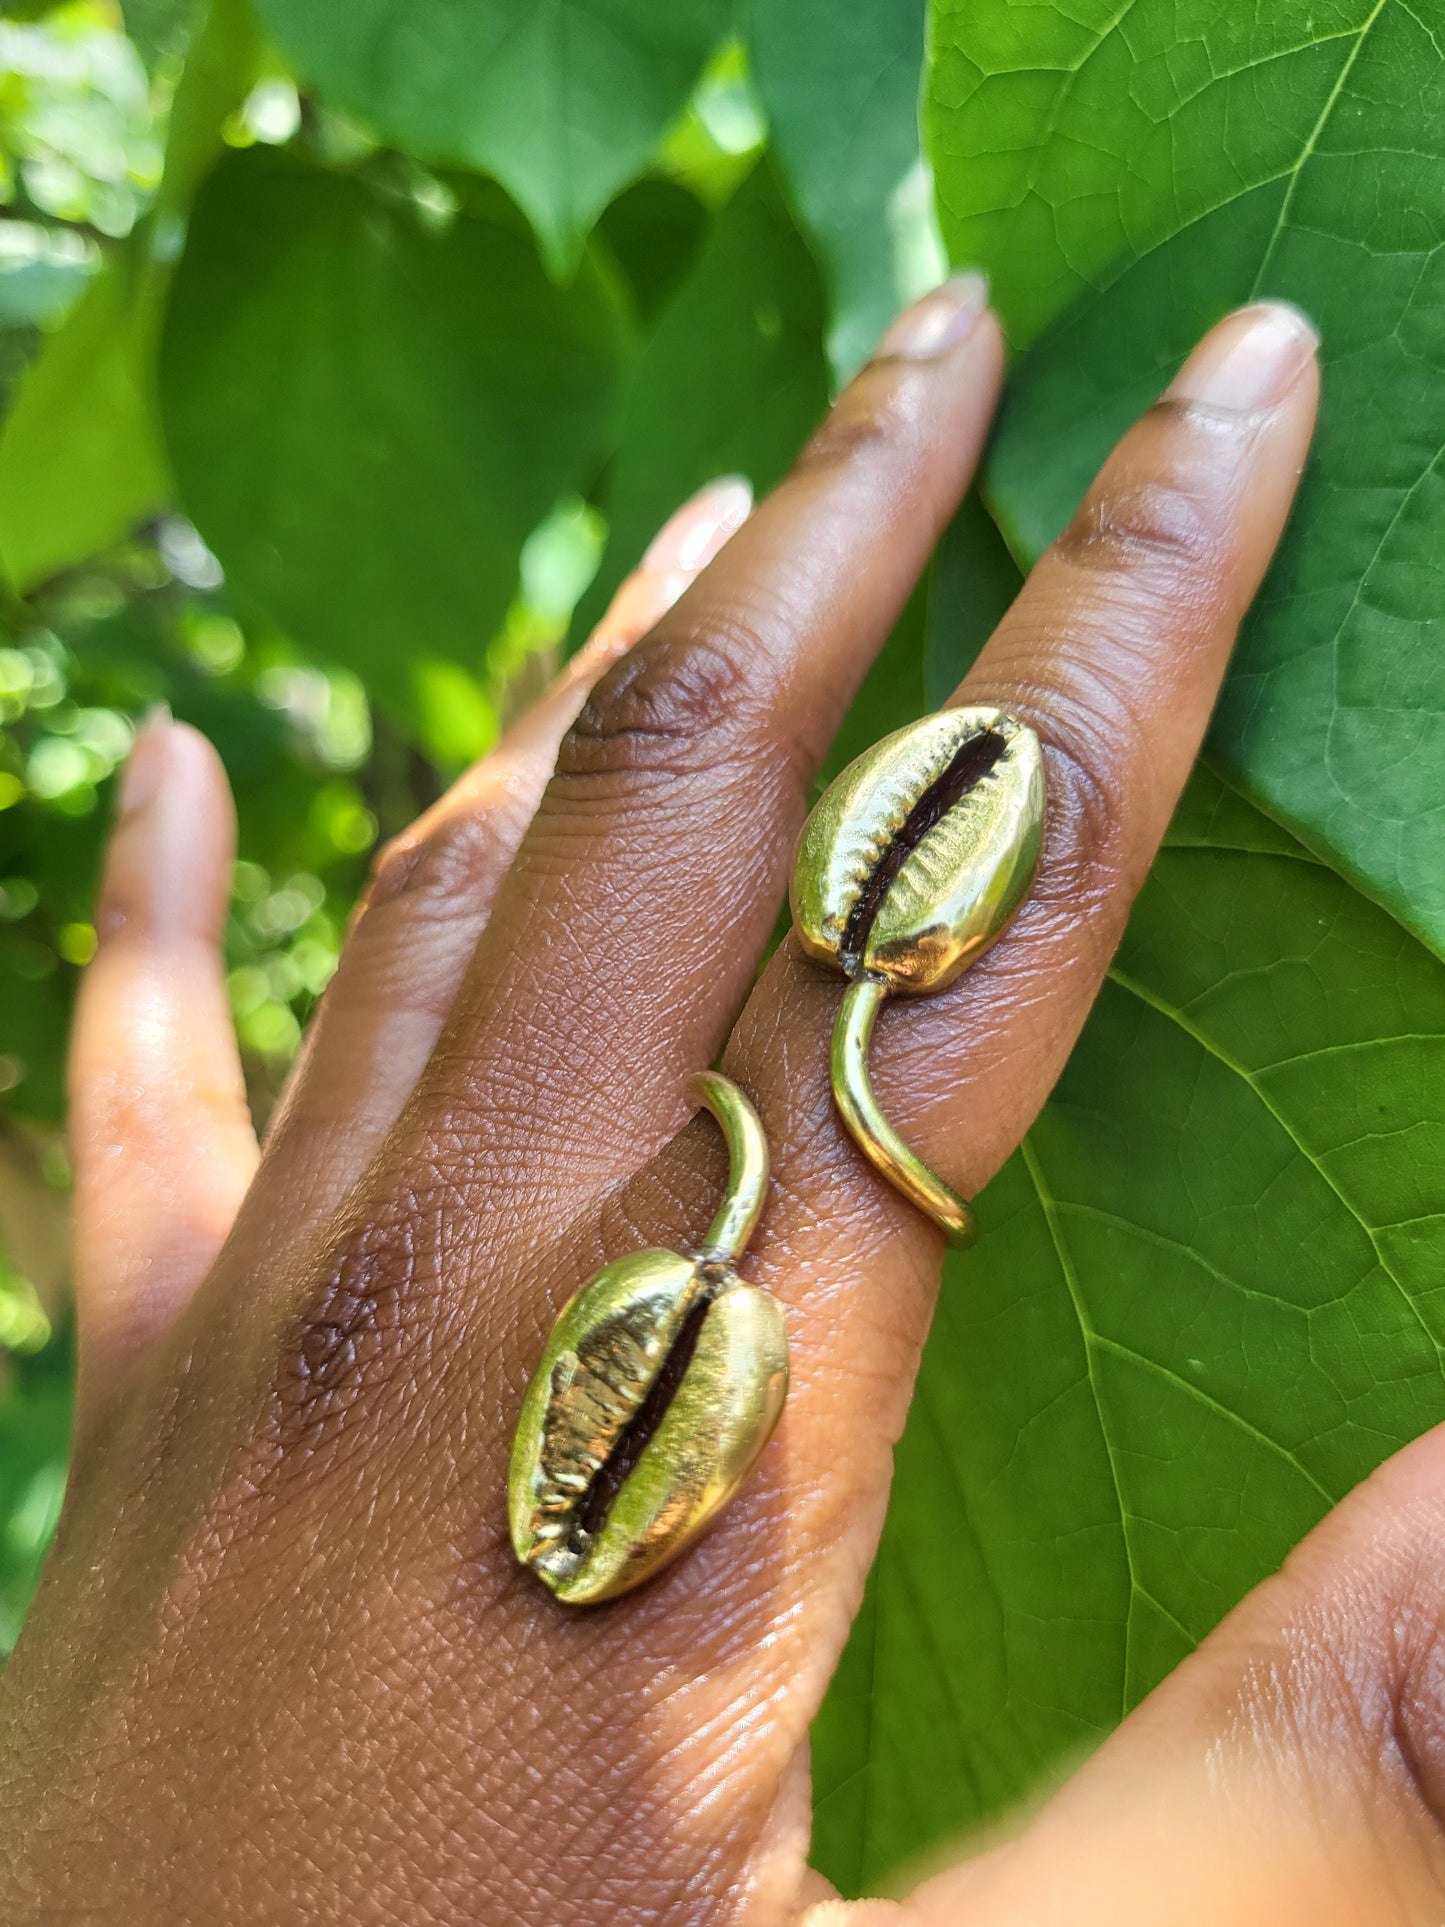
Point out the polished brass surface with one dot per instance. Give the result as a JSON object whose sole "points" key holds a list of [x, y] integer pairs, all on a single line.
{"points": [[853, 1091], [747, 1190], [912, 863], [660, 1384]]}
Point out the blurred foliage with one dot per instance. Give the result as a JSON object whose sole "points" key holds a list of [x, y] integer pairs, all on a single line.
{"points": [[349, 356]]}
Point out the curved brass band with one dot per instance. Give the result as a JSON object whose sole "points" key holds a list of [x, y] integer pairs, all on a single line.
{"points": [[870, 1129], [747, 1187]]}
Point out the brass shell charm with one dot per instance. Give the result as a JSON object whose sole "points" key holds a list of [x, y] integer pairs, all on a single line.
{"points": [[911, 864], [661, 1383]]}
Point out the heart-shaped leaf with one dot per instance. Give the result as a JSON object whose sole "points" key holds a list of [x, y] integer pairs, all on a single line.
{"points": [[732, 380], [562, 100], [1206, 1299]]}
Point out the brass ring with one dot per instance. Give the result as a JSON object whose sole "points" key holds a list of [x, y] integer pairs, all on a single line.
{"points": [[661, 1383], [911, 864]]}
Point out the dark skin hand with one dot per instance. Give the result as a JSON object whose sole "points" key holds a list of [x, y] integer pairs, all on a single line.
{"points": [[283, 1667]]}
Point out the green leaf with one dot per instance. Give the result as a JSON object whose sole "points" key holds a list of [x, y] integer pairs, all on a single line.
{"points": [[228, 56], [34, 1445], [368, 414], [1330, 190], [80, 461], [974, 580], [562, 100], [840, 86], [655, 231], [1207, 1301], [1066, 141], [38, 293], [81, 458], [161, 29], [732, 381]]}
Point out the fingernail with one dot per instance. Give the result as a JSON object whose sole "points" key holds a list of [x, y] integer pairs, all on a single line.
{"points": [[1249, 361], [939, 321], [690, 539], [146, 762]]}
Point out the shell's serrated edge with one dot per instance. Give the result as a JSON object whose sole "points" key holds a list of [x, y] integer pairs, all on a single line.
{"points": [[726, 1408]]}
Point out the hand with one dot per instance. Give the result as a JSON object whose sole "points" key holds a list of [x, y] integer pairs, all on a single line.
{"points": [[283, 1666]]}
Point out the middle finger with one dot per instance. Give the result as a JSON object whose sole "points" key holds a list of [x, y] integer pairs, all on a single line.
{"points": [[629, 928]]}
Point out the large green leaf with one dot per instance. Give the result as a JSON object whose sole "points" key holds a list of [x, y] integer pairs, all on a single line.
{"points": [[732, 381], [1206, 1302], [562, 100], [367, 415], [840, 86], [1068, 140], [1329, 189]]}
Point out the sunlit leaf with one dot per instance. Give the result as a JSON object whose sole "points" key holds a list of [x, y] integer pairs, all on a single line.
{"points": [[1067, 141], [81, 457], [1185, 162], [562, 100]]}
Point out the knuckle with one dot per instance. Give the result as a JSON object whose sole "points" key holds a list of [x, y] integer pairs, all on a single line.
{"points": [[1161, 526], [347, 1336], [672, 708], [440, 872], [1084, 842], [391, 868], [874, 421]]}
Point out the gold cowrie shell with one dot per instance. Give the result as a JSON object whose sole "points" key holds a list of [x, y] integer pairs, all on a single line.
{"points": [[661, 1383], [916, 857], [911, 864]]}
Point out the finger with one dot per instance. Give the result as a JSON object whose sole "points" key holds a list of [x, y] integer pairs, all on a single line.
{"points": [[161, 1135], [1114, 650], [434, 889], [630, 925], [1114, 653]]}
